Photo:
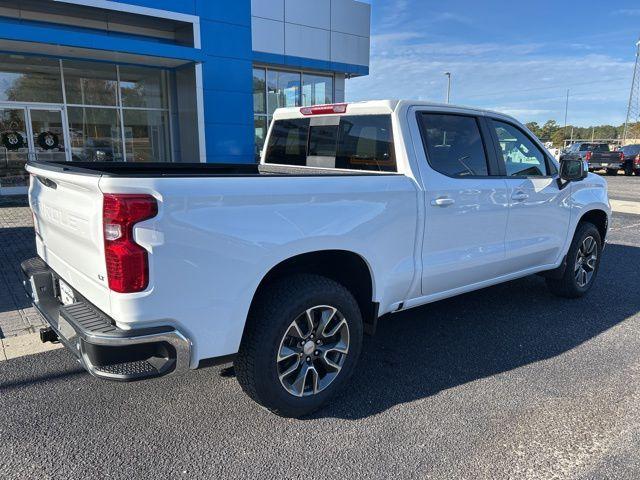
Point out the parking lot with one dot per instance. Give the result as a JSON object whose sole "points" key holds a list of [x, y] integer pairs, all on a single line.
{"points": [[506, 382]]}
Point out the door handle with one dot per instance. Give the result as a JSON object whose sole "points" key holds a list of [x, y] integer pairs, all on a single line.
{"points": [[519, 196], [442, 202]]}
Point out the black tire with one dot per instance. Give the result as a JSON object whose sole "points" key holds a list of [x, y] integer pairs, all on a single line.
{"points": [[567, 286], [270, 319], [628, 171], [612, 172]]}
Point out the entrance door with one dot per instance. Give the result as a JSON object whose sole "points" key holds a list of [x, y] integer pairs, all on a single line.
{"points": [[14, 149], [29, 133], [48, 135]]}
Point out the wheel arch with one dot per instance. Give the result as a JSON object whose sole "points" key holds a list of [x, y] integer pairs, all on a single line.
{"points": [[597, 217], [348, 268]]}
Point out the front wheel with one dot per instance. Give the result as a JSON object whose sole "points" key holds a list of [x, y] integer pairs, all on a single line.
{"points": [[301, 344], [583, 262]]}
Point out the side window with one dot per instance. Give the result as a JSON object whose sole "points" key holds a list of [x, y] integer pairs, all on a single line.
{"points": [[288, 142], [521, 156], [454, 145], [366, 143]]}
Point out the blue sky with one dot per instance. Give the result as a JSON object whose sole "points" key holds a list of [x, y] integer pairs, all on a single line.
{"points": [[518, 57]]}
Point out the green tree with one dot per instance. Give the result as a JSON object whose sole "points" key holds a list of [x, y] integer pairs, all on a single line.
{"points": [[558, 138], [548, 129], [535, 128]]}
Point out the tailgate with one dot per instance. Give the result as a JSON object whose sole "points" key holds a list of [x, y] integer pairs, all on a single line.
{"points": [[606, 157], [67, 209]]}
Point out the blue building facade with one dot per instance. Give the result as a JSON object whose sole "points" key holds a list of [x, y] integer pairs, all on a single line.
{"points": [[160, 80]]}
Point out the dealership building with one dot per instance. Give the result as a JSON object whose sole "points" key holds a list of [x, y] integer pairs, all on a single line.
{"points": [[165, 81]]}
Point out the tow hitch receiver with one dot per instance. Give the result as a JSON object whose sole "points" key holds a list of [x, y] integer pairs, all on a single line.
{"points": [[48, 335]]}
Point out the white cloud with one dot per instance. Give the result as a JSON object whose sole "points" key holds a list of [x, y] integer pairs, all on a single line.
{"points": [[630, 12], [525, 79]]}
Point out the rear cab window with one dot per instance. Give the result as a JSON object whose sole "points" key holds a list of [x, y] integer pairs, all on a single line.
{"points": [[595, 147], [352, 142]]}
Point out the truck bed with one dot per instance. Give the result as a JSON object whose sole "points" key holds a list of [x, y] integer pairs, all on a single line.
{"points": [[147, 170]]}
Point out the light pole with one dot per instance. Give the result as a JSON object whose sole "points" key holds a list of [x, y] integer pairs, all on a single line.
{"points": [[448, 74]]}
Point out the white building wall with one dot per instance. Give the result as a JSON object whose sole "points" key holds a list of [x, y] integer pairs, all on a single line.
{"points": [[327, 30]]}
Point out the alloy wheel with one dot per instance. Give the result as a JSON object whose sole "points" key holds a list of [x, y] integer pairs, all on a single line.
{"points": [[313, 351], [586, 261]]}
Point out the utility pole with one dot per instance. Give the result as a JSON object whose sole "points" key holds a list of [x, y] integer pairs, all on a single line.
{"points": [[448, 74], [566, 113], [632, 123]]}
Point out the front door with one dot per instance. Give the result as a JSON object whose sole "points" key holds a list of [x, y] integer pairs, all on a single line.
{"points": [[540, 211], [466, 207], [29, 133]]}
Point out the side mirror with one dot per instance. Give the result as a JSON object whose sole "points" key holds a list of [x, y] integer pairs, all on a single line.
{"points": [[573, 170]]}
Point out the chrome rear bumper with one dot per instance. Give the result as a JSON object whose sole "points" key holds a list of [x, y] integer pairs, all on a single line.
{"points": [[103, 349]]}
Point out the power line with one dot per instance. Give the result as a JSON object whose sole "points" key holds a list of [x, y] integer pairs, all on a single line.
{"points": [[632, 123]]}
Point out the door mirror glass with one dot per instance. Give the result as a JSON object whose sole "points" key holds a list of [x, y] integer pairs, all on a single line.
{"points": [[572, 170]]}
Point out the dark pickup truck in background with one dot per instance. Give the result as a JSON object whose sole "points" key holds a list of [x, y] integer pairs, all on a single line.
{"points": [[598, 155], [631, 159]]}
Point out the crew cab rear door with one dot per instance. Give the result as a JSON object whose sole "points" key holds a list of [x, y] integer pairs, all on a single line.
{"points": [[466, 206]]}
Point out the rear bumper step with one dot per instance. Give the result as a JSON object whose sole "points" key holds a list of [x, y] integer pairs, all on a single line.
{"points": [[104, 350]]}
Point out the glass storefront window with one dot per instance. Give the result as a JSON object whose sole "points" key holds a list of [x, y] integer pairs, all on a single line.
{"points": [[259, 90], [90, 83], [95, 134], [260, 125], [48, 134], [146, 135], [143, 87], [283, 90], [25, 79], [317, 90]]}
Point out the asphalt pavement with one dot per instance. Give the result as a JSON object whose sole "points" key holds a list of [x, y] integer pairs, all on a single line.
{"points": [[506, 382]]}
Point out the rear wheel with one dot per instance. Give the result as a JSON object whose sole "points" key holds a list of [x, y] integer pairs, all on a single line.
{"points": [[611, 171], [301, 344], [583, 262], [628, 171]]}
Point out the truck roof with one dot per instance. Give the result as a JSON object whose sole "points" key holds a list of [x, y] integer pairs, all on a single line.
{"points": [[370, 107]]}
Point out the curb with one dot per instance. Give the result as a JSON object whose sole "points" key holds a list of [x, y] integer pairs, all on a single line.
{"points": [[20, 346], [625, 206]]}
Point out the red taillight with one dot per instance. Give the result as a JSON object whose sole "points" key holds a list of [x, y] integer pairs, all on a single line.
{"points": [[127, 262], [324, 109], [637, 160], [588, 156], [621, 156]]}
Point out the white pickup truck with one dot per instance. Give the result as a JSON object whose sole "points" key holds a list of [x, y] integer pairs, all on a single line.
{"points": [[356, 211]]}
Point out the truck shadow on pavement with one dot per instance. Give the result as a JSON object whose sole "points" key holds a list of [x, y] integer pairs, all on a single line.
{"points": [[433, 348], [414, 355]]}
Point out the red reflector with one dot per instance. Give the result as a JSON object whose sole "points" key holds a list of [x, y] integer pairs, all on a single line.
{"points": [[324, 109], [127, 262]]}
